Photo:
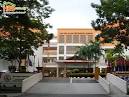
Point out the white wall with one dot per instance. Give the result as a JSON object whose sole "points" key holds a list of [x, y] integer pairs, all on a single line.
{"points": [[38, 57], [3, 65], [30, 81], [101, 63], [118, 82], [126, 52]]}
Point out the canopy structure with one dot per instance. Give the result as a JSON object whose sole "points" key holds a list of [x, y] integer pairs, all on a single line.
{"points": [[75, 59]]}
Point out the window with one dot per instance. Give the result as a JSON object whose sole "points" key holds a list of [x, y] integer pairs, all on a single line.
{"points": [[45, 60], [82, 39], [61, 58], [71, 49], [68, 38], [61, 49], [49, 60], [61, 39], [75, 38], [68, 57], [52, 59], [90, 38]]}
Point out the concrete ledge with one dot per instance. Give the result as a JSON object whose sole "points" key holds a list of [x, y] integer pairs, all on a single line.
{"points": [[30, 81], [117, 82], [105, 84]]}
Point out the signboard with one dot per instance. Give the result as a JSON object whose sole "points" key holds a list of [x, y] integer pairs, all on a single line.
{"points": [[11, 8]]}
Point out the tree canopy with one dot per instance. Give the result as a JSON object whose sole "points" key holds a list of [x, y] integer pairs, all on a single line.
{"points": [[112, 21], [21, 33]]}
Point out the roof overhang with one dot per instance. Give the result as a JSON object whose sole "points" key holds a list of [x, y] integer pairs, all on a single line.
{"points": [[75, 61]]}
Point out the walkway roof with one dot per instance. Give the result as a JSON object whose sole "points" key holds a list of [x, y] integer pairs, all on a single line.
{"points": [[75, 59]]}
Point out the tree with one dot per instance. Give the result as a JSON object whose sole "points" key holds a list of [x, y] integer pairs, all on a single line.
{"points": [[21, 33], [113, 55], [112, 21], [110, 58], [91, 51], [48, 38]]}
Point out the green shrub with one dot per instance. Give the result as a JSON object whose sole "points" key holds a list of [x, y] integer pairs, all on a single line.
{"points": [[102, 74], [75, 71], [81, 75]]}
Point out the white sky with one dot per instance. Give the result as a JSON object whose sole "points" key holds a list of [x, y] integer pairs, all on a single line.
{"points": [[71, 14]]}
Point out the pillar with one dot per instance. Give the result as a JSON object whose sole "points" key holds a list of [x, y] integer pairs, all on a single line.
{"points": [[97, 72], [57, 71]]}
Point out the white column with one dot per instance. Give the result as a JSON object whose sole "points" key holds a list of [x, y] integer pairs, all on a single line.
{"points": [[65, 51]]}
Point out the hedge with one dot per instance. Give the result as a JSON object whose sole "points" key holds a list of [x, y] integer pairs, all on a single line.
{"points": [[81, 75]]}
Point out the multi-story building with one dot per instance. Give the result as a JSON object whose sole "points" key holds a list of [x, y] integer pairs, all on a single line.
{"points": [[69, 41], [49, 58], [58, 58]]}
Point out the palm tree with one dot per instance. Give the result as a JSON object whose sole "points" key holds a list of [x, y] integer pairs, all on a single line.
{"points": [[110, 57], [92, 51], [95, 51]]}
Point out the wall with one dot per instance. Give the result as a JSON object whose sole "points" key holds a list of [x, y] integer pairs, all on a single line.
{"points": [[105, 84], [3, 65], [30, 81], [37, 61], [118, 82]]}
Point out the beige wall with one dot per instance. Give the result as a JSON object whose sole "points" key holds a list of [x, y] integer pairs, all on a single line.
{"points": [[85, 35], [69, 35]]}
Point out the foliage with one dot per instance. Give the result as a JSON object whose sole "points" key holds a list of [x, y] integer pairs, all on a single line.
{"points": [[109, 55], [75, 71], [92, 51], [49, 37], [113, 54], [112, 20], [82, 75], [21, 33]]}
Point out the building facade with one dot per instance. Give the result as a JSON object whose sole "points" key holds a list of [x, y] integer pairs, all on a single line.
{"points": [[49, 58], [57, 58], [69, 41]]}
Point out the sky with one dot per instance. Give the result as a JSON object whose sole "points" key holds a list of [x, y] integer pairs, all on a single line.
{"points": [[71, 14]]}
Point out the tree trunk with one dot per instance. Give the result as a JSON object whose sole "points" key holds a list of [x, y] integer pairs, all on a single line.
{"points": [[19, 65]]}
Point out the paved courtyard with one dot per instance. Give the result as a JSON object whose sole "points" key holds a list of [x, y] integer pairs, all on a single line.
{"points": [[73, 87], [66, 88]]}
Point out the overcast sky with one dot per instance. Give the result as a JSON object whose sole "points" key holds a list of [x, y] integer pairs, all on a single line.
{"points": [[71, 14]]}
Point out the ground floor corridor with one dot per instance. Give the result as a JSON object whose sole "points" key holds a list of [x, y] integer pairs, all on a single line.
{"points": [[66, 87]]}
